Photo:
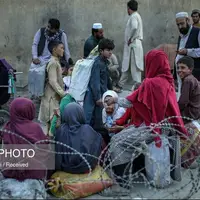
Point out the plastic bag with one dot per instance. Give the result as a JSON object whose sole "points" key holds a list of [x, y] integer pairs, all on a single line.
{"points": [[82, 71], [157, 164], [36, 80], [80, 79]]}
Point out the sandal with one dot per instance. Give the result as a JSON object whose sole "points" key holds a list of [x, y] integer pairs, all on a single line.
{"points": [[117, 89]]}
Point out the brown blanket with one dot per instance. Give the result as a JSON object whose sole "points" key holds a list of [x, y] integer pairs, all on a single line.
{"points": [[170, 50]]}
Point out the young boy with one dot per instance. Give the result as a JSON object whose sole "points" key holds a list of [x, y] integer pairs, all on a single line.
{"points": [[99, 83], [189, 102]]}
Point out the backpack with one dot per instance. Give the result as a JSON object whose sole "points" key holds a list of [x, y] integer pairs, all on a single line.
{"points": [[37, 78], [81, 76]]}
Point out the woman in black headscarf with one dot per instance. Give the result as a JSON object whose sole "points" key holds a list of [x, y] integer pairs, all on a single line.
{"points": [[80, 136]]}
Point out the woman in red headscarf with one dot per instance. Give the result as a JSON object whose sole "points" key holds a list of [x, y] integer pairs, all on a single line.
{"points": [[23, 131], [154, 101]]}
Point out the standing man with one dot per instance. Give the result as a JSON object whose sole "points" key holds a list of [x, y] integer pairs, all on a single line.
{"points": [[133, 58], [93, 40], [196, 18], [188, 45]]}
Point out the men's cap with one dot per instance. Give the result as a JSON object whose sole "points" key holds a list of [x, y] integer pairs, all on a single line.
{"points": [[196, 11], [97, 26], [182, 14]]}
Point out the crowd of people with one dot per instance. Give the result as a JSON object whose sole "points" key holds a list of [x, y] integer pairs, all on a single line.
{"points": [[98, 121]]}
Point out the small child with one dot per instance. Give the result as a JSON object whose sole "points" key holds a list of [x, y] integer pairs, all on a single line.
{"points": [[189, 102], [67, 78], [130, 116], [111, 113]]}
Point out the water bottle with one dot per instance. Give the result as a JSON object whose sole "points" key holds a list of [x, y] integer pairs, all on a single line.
{"points": [[109, 121]]}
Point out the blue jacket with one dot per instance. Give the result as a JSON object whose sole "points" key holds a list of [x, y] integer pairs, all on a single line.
{"points": [[99, 81]]}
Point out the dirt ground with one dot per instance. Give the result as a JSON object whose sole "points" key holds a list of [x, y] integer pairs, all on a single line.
{"points": [[176, 190]]}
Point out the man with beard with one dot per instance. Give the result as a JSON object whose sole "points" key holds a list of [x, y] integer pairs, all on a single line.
{"points": [[41, 56], [93, 40], [188, 44], [196, 18], [40, 52]]}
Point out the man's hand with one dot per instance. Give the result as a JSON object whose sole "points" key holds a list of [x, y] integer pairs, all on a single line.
{"points": [[182, 52], [110, 101], [129, 42], [56, 111], [99, 102], [36, 61], [115, 129]]}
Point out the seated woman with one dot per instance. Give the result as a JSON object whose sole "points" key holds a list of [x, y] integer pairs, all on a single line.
{"points": [[54, 89], [31, 181], [80, 137], [153, 101], [110, 113]]}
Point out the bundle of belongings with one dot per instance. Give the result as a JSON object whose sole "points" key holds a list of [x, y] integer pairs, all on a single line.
{"points": [[37, 77], [74, 186], [170, 50], [37, 80], [190, 150], [82, 71]]}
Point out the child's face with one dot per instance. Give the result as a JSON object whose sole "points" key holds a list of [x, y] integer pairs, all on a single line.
{"points": [[107, 53], [69, 72], [183, 70], [59, 50], [109, 109]]}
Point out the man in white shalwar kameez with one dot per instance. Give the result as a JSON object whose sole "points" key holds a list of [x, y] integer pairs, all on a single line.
{"points": [[133, 58]]}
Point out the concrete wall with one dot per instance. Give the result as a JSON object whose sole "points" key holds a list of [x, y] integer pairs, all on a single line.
{"points": [[20, 19]]}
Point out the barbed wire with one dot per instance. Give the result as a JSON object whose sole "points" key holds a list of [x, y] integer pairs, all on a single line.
{"points": [[133, 185]]}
